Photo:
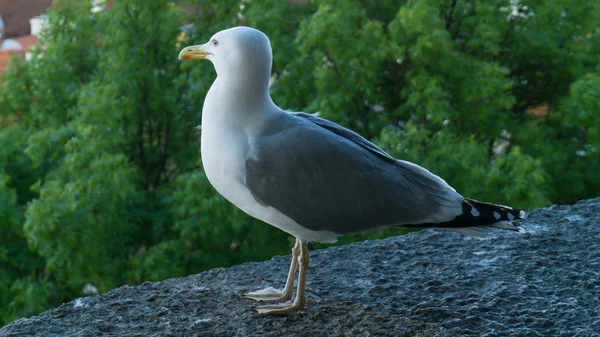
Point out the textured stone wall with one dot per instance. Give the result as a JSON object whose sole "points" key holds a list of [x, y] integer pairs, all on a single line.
{"points": [[543, 282]]}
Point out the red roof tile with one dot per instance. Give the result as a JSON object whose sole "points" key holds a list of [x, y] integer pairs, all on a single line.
{"points": [[27, 41], [5, 56], [540, 110]]}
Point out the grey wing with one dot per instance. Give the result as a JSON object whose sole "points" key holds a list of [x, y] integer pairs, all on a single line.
{"points": [[327, 180], [346, 133]]}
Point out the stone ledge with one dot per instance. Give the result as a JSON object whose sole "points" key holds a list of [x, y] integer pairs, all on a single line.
{"points": [[544, 282]]}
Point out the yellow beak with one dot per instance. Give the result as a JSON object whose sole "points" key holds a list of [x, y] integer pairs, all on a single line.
{"points": [[193, 53]]}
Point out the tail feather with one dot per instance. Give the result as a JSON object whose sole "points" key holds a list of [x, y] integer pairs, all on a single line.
{"points": [[477, 217]]}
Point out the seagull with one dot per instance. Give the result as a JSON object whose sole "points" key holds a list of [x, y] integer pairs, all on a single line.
{"points": [[308, 176]]}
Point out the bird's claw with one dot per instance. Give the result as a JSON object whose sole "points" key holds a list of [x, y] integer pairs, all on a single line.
{"points": [[268, 295], [277, 310]]}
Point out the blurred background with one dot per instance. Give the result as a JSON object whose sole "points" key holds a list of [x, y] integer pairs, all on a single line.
{"points": [[101, 182]]}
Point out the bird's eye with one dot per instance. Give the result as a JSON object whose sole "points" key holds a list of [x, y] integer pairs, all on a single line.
{"points": [[215, 42]]}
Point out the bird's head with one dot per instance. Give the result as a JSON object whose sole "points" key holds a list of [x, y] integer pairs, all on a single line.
{"points": [[234, 51]]}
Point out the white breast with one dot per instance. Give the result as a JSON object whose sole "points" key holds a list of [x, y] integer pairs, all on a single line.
{"points": [[224, 149]]}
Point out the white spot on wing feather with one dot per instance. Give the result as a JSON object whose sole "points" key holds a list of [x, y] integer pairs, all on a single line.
{"points": [[474, 211]]}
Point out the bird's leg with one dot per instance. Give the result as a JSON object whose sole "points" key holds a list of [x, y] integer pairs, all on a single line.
{"points": [[300, 300], [270, 295]]}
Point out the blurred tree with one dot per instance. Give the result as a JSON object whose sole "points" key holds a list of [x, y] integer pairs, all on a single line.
{"points": [[101, 182], [38, 99]]}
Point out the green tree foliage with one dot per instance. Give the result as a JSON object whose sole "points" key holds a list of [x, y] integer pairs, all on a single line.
{"points": [[101, 182]]}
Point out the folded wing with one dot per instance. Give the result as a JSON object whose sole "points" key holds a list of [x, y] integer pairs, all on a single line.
{"points": [[326, 177]]}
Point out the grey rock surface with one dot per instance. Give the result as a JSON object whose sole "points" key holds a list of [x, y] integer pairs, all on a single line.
{"points": [[544, 282]]}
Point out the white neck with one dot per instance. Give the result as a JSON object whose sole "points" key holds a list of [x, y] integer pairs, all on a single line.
{"points": [[242, 100]]}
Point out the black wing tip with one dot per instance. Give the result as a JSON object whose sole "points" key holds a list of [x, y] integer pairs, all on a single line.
{"points": [[509, 212], [476, 214]]}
